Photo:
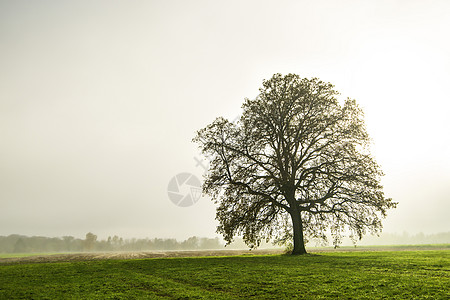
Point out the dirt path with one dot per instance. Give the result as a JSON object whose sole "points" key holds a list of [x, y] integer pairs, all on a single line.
{"points": [[129, 255], [164, 254]]}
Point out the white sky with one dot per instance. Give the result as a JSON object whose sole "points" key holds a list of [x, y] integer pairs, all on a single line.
{"points": [[99, 101]]}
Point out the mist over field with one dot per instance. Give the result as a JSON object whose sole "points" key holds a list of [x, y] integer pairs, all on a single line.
{"points": [[99, 102]]}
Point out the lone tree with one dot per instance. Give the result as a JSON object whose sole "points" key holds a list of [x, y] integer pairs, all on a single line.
{"points": [[294, 166]]}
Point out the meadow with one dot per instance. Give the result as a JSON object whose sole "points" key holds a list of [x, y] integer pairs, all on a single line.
{"points": [[342, 275]]}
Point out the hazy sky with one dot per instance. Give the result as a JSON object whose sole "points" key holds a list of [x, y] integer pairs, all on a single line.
{"points": [[99, 101]]}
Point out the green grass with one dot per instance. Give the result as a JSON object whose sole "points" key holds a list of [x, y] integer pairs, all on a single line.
{"points": [[341, 275], [406, 247], [14, 255]]}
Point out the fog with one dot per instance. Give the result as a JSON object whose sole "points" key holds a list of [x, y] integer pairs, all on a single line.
{"points": [[99, 101]]}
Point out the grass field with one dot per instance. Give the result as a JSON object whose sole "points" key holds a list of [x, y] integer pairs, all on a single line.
{"points": [[342, 275], [18, 255]]}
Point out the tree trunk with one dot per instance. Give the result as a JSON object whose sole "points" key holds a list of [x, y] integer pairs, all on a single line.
{"points": [[299, 242]]}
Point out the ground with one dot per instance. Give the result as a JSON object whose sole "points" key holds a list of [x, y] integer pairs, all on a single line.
{"points": [[89, 256], [345, 273]]}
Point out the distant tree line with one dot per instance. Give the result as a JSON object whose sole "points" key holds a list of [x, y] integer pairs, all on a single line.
{"points": [[23, 244], [406, 239]]}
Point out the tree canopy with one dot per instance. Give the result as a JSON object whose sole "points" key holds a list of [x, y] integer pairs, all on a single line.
{"points": [[295, 166]]}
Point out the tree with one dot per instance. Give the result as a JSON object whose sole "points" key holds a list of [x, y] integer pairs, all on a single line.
{"points": [[68, 241], [90, 241], [191, 243], [296, 164], [20, 246]]}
